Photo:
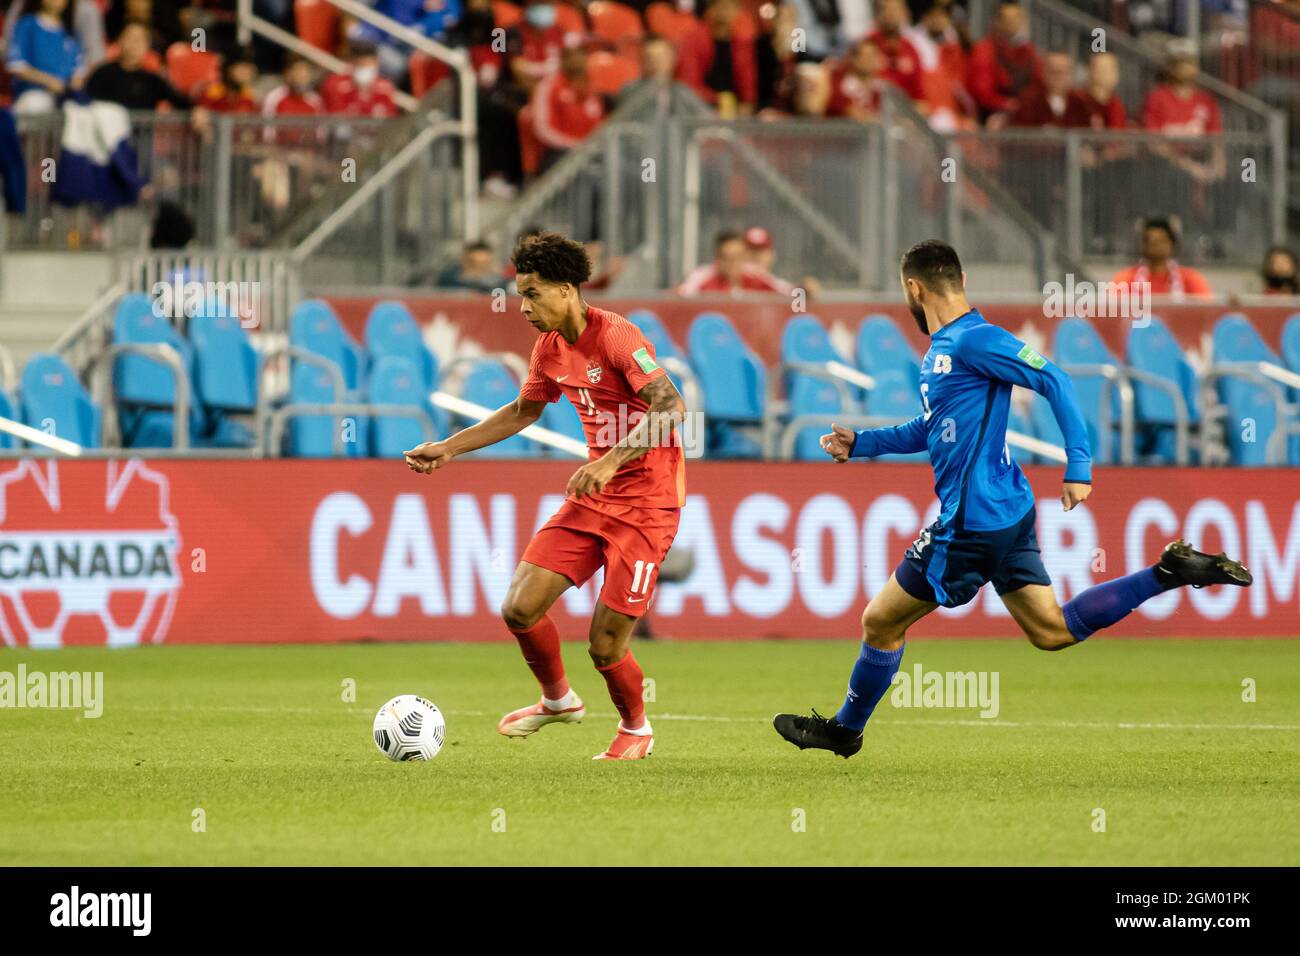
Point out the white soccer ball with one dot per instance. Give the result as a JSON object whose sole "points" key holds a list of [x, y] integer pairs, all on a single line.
{"points": [[410, 728]]}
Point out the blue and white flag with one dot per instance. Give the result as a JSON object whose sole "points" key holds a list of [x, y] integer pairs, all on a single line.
{"points": [[97, 162]]}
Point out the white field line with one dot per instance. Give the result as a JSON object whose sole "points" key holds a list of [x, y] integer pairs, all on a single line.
{"points": [[718, 719]]}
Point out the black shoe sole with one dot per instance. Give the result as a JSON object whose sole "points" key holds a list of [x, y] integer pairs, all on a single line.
{"points": [[845, 752]]}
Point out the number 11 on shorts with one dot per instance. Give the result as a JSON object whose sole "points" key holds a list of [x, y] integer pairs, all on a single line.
{"points": [[641, 577]]}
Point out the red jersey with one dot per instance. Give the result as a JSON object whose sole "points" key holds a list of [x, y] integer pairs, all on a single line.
{"points": [[601, 374], [1175, 280], [902, 63], [1167, 112], [564, 114], [707, 278], [848, 90], [342, 94], [1108, 115]]}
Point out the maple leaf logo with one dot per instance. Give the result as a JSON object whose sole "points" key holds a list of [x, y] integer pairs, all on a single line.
{"points": [[89, 556]]}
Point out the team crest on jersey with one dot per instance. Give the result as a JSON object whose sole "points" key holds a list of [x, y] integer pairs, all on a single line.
{"points": [[593, 373]]}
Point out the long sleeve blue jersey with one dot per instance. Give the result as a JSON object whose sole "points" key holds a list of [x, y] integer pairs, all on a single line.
{"points": [[966, 380]]}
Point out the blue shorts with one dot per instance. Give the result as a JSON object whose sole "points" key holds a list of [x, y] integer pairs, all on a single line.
{"points": [[949, 567]]}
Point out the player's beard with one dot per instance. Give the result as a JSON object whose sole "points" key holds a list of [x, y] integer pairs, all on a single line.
{"points": [[918, 313]]}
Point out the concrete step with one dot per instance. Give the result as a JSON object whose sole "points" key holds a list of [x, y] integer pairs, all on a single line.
{"points": [[61, 280], [25, 330]]}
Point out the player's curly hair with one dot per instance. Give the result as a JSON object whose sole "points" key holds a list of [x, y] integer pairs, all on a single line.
{"points": [[553, 257], [934, 264]]}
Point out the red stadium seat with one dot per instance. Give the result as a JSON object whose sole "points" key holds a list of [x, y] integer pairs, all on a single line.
{"points": [[610, 72], [426, 73], [616, 23], [570, 19], [190, 69], [505, 14], [317, 22], [669, 22]]}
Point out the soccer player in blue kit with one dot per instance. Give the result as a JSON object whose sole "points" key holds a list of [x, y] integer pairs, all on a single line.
{"points": [[985, 529]]}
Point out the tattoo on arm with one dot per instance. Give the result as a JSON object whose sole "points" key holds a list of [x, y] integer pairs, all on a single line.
{"points": [[663, 415]]}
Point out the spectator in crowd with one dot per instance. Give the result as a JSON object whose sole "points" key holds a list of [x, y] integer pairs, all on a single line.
{"points": [[162, 16], [297, 95], [86, 25], [1052, 103], [856, 83], [658, 65], [565, 107], [233, 93], [361, 91], [730, 271], [477, 269], [1098, 98], [718, 58], [474, 31], [1177, 106], [812, 90], [126, 81], [826, 24], [946, 84], [902, 62], [776, 56], [760, 253], [1004, 65], [1157, 266], [433, 18], [534, 46], [1279, 272], [45, 60]]}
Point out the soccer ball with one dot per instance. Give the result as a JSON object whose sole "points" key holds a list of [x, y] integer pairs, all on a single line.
{"points": [[410, 728]]}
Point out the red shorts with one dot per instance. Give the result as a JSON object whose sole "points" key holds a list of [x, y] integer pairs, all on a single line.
{"points": [[630, 543]]}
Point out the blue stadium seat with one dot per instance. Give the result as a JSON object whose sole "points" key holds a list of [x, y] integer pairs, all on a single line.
{"points": [[315, 327], [312, 436], [1077, 343], [8, 410], [490, 384], [52, 394], [805, 339], [226, 373], [392, 330], [145, 388], [561, 417], [882, 347], [395, 380], [1291, 348], [897, 396], [1154, 349], [1234, 339], [734, 383], [654, 330]]}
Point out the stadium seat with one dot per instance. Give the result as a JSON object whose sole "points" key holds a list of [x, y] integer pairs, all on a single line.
{"points": [[490, 384], [1077, 343], [654, 330], [570, 19], [669, 22], [397, 380], [1291, 348], [1234, 339], [317, 22], [145, 388], [616, 23], [1154, 349], [314, 327], [505, 15], [312, 436], [391, 330], [561, 417], [191, 69], [8, 410], [805, 339], [881, 347], [734, 383], [896, 396], [812, 396], [610, 72], [226, 373], [55, 401]]}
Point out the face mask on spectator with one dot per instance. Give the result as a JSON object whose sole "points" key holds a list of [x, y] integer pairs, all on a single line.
{"points": [[540, 16], [365, 75]]}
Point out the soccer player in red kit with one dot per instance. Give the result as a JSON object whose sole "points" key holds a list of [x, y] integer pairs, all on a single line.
{"points": [[623, 505]]}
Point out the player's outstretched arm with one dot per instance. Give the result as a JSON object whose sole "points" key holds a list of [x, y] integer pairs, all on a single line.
{"points": [[663, 415], [505, 421], [842, 443]]}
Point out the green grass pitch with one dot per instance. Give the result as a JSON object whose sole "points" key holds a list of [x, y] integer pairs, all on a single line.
{"points": [[1153, 733]]}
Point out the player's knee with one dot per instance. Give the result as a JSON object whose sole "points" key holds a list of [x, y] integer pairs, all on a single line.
{"points": [[607, 643], [1050, 637], [519, 613], [879, 629]]}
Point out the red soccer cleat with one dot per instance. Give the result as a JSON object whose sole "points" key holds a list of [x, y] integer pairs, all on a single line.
{"points": [[529, 720], [628, 746]]}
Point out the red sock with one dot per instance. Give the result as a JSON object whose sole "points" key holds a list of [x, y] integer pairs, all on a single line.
{"points": [[624, 680], [541, 647]]}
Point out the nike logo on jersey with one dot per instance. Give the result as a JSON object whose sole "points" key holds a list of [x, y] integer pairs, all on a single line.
{"points": [[561, 378], [633, 600]]}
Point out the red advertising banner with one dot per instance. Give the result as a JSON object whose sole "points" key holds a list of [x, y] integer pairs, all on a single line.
{"points": [[137, 552]]}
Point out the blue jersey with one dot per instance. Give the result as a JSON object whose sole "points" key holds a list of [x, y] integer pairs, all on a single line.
{"points": [[966, 380], [43, 47]]}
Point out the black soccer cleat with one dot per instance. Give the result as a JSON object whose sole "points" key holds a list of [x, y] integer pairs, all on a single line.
{"points": [[818, 733], [1182, 563]]}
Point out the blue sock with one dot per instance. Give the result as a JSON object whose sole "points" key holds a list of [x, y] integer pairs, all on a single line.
{"points": [[872, 672], [1103, 604]]}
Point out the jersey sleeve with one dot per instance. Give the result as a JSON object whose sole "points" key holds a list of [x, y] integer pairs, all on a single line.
{"points": [[896, 440], [997, 354], [627, 350], [537, 387]]}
